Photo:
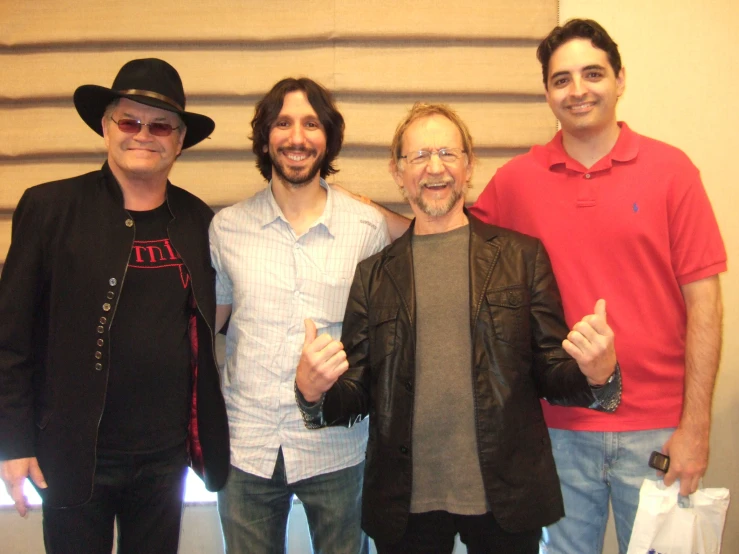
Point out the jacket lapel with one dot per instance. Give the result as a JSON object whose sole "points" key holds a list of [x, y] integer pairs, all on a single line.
{"points": [[484, 255], [399, 268]]}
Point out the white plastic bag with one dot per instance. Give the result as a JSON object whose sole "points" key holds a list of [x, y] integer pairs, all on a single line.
{"points": [[662, 526]]}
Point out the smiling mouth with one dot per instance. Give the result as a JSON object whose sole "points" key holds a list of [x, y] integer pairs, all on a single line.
{"points": [[581, 107], [296, 155]]}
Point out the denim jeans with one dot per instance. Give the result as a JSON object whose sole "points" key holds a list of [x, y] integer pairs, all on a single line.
{"points": [[143, 492], [593, 468], [434, 533], [254, 511]]}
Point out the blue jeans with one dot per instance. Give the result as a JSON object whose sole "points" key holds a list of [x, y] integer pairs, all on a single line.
{"points": [[594, 467], [142, 492], [254, 511]]}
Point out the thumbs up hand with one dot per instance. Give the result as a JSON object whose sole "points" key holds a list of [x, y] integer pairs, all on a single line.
{"points": [[322, 362], [591, 343]]}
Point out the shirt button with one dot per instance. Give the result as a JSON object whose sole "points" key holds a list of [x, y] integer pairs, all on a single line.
{"points": [[101, 329], [110, 295], [129, 223], [100, 342], [409, 386], [296, 293], [112, 282], [103, 320], [403, 450], [98, 355], [106, 307], [98, 366], [587, 175]]}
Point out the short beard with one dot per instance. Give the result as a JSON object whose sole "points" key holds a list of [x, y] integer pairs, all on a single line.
{"points": [[435, 210], [298, 182]]}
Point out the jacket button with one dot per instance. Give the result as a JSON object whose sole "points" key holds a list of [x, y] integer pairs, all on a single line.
{"points": [[106, 307], [100, 342], [110, 295], [129, 223], [112, 282], [98, 366], [514, 298], [101, 329], [98, 355], [403, 450], [409, 386], [103, 320]]}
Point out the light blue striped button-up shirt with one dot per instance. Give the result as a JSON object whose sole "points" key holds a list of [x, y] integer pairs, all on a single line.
{"points": [[274, 280]]}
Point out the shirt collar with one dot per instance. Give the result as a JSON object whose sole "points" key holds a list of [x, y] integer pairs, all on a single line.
{"points": [[625, 150], [272, 211]]}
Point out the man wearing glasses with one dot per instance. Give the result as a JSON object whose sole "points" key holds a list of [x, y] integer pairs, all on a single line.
{"points": [[452, 334], [108, 381]]}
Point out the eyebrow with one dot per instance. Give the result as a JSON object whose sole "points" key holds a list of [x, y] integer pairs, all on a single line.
{"points": [[586, 68]]}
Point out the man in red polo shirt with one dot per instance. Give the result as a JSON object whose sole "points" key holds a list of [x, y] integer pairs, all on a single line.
{"points": [[626, 218]]}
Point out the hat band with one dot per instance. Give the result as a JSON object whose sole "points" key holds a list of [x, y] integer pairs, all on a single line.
{"points": [[150, 94]]}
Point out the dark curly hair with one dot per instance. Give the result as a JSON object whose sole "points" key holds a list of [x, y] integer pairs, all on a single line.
{"points": [[269, 107]]}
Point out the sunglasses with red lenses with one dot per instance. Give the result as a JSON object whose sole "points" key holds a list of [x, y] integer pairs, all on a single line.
{"points": [[133, 126]]}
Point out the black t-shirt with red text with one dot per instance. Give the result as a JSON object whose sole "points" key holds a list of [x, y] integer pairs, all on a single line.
{"points": [[149, 387]]}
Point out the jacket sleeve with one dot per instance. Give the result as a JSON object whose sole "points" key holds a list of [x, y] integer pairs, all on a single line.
{"points": [[557, 375], [21, 299], [348, 401]]}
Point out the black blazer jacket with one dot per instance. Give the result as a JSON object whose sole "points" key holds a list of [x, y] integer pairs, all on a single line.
{"points": [[60, 285], [517, 326]]}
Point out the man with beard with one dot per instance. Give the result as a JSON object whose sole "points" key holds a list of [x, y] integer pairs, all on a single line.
{"points": [[287, 255], [452, 335]]}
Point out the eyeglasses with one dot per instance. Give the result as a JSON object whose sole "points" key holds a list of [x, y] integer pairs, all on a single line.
{"points": [[446, 155], [133, 126]]}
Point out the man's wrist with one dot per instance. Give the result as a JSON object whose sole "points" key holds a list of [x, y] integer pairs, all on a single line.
{"points": [[608, 381], [311, 412]]}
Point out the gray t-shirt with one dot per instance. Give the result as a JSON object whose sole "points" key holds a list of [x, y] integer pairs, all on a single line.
{"points": [[446, 467]]}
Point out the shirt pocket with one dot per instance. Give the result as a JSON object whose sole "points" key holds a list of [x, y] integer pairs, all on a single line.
{"points": [[509, 311]]}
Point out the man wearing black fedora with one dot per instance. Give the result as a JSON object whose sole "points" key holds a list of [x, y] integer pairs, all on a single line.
{"points": [[108, 380]]}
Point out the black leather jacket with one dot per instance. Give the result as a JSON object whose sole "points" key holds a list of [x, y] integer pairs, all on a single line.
{"points": [[59, 290], [517, 327]]}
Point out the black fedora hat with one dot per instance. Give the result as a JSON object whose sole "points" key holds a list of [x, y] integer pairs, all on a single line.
{"points": [[148, 81]]}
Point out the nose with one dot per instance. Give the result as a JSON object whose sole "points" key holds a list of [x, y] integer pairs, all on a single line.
{"points": [[143, 134], [297, 136], [434, 165], [577, 86]]}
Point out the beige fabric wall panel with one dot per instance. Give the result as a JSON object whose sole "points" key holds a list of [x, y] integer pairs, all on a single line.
{"points": [[41, 22], [477, 19], [5, 226], [60, 131], [205, 72], [447, 68], [385, 68]]}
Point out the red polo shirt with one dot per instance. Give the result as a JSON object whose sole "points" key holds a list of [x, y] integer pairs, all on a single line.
{"points": [[631, 229]]}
